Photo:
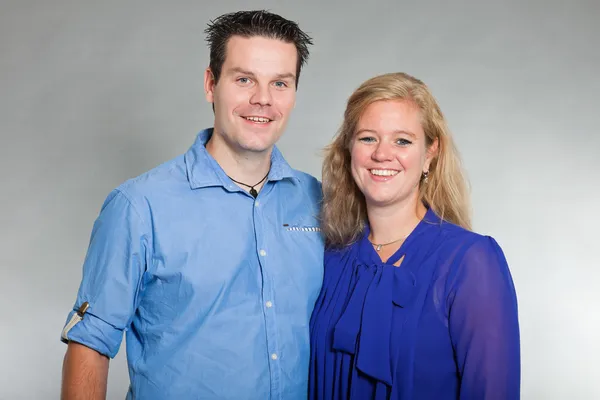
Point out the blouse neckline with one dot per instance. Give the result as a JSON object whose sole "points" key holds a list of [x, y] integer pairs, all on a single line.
{"points": [[368, 254]]}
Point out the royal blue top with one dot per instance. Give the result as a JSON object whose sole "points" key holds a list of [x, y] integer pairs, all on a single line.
{"points": [[213, 288], [441, 326]]}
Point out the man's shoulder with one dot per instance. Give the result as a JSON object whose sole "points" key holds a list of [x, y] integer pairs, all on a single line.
{"points": [[308, 182], [167, 176]]}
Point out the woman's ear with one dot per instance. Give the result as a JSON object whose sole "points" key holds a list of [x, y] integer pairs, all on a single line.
{"points": [[432, 152]]}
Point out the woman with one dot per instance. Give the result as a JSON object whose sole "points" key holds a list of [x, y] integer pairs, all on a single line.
{"points": [[414, 305]]}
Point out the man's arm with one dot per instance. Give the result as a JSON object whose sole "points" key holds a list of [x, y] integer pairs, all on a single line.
{"points": [[107, 298], [85, 374]]}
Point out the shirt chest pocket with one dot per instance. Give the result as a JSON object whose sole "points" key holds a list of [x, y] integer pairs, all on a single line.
{"points": [[301, 243], [303, 239], [302, 228]]}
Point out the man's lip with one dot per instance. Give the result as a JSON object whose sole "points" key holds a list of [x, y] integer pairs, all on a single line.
{"points": [[257, 116]]}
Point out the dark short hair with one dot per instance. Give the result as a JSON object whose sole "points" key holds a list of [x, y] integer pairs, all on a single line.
{"points": [[253, 23]]}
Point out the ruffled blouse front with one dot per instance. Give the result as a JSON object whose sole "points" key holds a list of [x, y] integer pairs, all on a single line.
{"points": [[384, 332]]}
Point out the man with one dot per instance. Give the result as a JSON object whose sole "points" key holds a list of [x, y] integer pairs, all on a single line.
{"points": [[211, 262]]}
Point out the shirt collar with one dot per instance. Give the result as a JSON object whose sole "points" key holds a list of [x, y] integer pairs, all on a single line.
{"points": [[204, 171]]}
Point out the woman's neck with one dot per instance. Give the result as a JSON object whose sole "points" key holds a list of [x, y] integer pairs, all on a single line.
{"points": [[396, 222]]}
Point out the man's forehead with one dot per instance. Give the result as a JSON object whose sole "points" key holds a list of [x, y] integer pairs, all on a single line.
{"points": [[258, 39], [258, 51]]}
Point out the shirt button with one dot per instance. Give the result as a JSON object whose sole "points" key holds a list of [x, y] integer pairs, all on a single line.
{"points": [[262, 253], [274, 356], [269, 304], [256, 203]]}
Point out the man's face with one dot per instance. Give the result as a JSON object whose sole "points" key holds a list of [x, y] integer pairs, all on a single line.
{"points": [[255, 93]]}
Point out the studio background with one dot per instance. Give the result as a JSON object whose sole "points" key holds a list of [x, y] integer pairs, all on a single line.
{"points": [[94, 93]]}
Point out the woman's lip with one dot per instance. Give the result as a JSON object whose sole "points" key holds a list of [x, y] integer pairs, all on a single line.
{"points": [[394, 171], [382, 178]]}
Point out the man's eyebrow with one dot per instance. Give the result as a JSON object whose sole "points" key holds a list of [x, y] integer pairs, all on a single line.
{"points": [[287, 75], [237, 70]]}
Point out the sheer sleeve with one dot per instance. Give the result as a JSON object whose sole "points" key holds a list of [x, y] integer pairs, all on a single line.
{"points": [[483, 322]]}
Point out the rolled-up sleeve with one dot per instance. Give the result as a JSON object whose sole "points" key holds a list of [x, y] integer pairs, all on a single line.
{"points": [[484, 324], [112, 276]]}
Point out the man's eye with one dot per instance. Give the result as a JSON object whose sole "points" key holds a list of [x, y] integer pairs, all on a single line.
{"points": [[281, 84], [243, 80]]}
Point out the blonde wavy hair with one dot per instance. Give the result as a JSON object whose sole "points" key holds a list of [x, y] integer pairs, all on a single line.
{"points": [[344, 211]]}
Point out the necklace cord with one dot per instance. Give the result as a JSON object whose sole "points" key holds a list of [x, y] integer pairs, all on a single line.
{"points": [[253, 191]]}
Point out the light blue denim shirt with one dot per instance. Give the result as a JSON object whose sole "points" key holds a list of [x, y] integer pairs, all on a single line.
{"points": [[213, 288]]}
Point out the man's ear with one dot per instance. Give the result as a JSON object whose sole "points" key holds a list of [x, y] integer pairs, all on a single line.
{"points": [[209, 85]]}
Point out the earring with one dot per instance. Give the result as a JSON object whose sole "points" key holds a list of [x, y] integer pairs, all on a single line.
{"points": [[425, 176]]}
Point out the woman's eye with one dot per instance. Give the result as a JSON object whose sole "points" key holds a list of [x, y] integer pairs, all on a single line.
{"points": [[403, 142], [366, 139]]}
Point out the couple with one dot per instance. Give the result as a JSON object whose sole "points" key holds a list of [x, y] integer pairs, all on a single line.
{"points": [[235, 276]]}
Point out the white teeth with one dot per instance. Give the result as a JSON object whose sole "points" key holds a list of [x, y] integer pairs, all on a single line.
{"points": [[258, 119], [383, 172]]}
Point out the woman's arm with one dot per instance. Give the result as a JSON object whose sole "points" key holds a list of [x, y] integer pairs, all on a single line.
{"points": [[483, 323]]}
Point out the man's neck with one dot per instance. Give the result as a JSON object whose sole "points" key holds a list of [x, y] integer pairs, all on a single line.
{"points": [[243, 166]]}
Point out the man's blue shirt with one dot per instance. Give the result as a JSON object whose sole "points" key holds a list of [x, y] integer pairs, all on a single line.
{"points": [[213, 288]]}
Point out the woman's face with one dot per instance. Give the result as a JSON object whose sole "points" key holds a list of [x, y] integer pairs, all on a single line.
{"points": [[389, 153]]}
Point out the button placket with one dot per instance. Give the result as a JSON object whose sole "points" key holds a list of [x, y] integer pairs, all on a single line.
{"points": [[263, 240]]}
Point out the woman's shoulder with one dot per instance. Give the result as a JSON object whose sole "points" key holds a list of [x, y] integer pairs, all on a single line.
{"points": [[468, 256], [456, 238], [340, 255]]}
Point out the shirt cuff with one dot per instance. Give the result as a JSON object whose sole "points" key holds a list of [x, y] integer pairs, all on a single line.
{"points": [[92, 332]]}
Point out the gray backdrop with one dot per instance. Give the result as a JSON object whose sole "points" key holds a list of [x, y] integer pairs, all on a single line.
{"points": [[93, 93]]}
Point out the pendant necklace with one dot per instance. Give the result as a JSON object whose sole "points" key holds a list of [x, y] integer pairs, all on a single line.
{"points": [[252, 191], [378, 246]]}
